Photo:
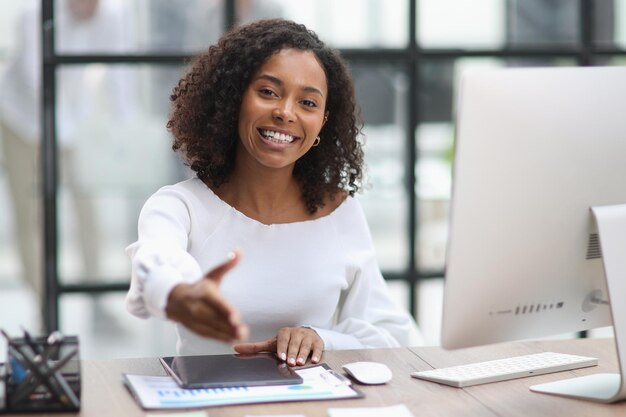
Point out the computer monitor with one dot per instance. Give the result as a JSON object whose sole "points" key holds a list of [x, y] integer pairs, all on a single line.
{"points": [[536, 149]]}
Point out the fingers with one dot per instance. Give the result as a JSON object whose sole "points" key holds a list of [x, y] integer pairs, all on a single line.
{"points": [[316, 351], [217, 273], [268, 345], [295, 344], [210, 331], [213, 298], [292, 344], [207, 317]]}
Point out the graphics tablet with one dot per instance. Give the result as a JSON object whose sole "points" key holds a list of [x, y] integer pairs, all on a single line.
{"points": [[212, 371]]}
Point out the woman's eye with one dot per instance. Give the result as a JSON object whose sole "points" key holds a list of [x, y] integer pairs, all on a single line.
{"points": [[267, 92], [309, 103]]}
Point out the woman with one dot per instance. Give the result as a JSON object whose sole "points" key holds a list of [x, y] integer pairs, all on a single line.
{"points": [[266, 119]]}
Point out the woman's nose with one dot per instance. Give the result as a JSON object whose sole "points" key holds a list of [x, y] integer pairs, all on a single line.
{"points": [[284, 112]]}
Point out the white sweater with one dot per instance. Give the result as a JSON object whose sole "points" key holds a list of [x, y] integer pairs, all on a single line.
{"points": [[320, 273]]}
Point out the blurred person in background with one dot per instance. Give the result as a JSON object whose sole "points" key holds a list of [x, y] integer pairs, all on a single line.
{"points": [[81, 26]]}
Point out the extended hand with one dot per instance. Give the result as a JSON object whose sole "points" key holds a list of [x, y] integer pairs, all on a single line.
{"points": [[291, 344], [201, 308]]}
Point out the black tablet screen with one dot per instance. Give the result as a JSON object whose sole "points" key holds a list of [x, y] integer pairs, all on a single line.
{"points": [[210, 371]]}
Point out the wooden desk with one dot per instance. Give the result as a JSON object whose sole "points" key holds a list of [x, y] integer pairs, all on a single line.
{"points": [[104, 394]]}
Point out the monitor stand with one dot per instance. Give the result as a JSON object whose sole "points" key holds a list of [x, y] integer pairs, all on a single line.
{"points": [[607, 388]]}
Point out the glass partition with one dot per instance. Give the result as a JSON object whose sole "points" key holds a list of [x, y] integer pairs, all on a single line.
{"points": [[107, 330], [346, 23], [494, 24], [454, 24], [610, 23], [381, 92], [115, 152]]}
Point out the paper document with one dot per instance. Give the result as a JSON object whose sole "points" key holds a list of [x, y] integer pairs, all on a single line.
{"points": [[399, 410], [182, 414], [162, 392]]}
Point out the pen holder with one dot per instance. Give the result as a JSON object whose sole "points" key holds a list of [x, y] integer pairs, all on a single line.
{"points": [[42, 374]]}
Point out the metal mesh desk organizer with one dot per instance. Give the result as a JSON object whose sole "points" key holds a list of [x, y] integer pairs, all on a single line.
{"points": [[41, 374]]}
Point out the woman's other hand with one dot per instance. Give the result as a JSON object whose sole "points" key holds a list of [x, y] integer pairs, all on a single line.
{"points": [[291, 344], [202, 309]]}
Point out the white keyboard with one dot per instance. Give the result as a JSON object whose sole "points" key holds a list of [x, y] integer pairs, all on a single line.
{"points": [[504, 369]]}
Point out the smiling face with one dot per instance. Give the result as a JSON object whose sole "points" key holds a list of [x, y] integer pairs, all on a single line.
{"points": [[283, 109]]}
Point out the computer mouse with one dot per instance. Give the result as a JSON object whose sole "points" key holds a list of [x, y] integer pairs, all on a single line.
{"points": [[368, 372]]}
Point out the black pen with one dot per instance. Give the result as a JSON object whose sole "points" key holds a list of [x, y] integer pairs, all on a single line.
{"points": [[6, 336], [30, 342]]}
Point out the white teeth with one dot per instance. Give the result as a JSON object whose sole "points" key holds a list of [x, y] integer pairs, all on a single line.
{"points": [[277, 136]]}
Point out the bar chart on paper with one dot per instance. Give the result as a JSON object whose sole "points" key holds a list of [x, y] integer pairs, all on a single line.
{"points": [[162, 392]]}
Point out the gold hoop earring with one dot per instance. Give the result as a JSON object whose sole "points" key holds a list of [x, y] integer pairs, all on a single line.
{"points": [[317, 141]]}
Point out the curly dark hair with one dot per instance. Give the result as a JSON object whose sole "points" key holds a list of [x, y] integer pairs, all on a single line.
{"points": [[206, 103]]}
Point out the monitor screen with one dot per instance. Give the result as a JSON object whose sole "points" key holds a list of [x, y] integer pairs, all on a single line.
{"points": [[535, 149]]}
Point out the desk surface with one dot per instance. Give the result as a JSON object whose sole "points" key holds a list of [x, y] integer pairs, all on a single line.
{"points": [[104, 395]]}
